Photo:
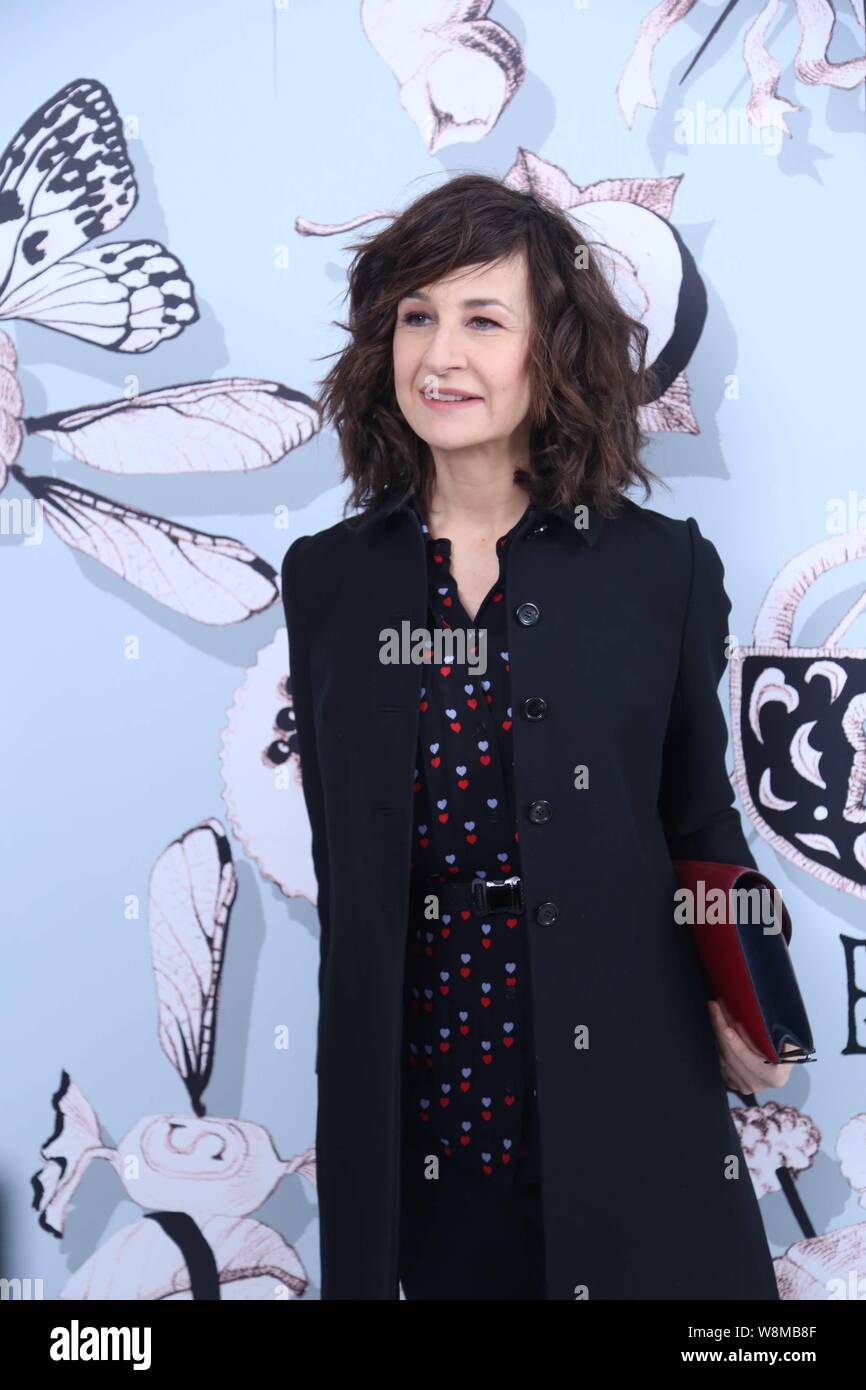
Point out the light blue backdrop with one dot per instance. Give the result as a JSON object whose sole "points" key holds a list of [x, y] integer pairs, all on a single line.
{"points": [[239, 119]]}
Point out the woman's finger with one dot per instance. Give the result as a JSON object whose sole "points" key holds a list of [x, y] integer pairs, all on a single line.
{"points": [[736, 1083], [732, 1071], [736, 1071], [720, 1011], [742, 1064], [744, 1068]]}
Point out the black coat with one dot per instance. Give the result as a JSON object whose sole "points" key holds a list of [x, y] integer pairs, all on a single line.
{"points": [[636, 1132]]}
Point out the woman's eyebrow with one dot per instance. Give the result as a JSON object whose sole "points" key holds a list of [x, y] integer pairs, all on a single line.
{"points": [[464, 303]]}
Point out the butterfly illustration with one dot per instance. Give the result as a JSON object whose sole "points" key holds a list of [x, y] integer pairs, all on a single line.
{"points": [[65, 180]]}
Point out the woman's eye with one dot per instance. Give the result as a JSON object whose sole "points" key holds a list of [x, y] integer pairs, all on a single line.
{"points": [[420, 314]]}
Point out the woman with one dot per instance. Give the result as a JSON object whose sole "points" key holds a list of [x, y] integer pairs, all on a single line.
{"points": [[521, 1080]]}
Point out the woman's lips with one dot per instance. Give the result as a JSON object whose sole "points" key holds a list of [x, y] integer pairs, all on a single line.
{"points": [[436, 403]]}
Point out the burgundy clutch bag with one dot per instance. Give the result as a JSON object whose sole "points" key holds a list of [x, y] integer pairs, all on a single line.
{"points": [[746, 961]]}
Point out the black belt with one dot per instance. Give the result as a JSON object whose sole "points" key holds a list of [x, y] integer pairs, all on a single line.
{"points": [[479, 895]]}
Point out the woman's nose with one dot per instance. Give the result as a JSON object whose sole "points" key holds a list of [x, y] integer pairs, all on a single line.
{"points": [[443, 350]]}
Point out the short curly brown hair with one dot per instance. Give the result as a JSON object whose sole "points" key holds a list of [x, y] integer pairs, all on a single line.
{"points": [[587, 356]]}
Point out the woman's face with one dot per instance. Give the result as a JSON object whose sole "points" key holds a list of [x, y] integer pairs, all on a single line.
{"points": [[467, 334]]}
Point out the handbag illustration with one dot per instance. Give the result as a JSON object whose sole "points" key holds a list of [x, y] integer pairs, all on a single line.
{"points": [[798, 725], [745, 955]]}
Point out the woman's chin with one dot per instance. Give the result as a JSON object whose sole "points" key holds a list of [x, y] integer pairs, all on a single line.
{"points": [[449, 433]]}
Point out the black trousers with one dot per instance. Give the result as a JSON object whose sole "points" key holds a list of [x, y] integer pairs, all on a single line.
{"points": [[462, 1237]]}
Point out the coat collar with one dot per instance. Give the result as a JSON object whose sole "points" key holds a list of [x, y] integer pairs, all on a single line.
{"points": [[392, 504]]}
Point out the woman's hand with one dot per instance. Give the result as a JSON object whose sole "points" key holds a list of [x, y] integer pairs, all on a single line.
{"points": [[744, 1069]]}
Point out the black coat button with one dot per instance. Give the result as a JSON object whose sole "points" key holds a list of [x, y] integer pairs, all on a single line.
{"points": [[546, 914], [527, 613], [534, 708], [539, 812], [537, 530]]}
